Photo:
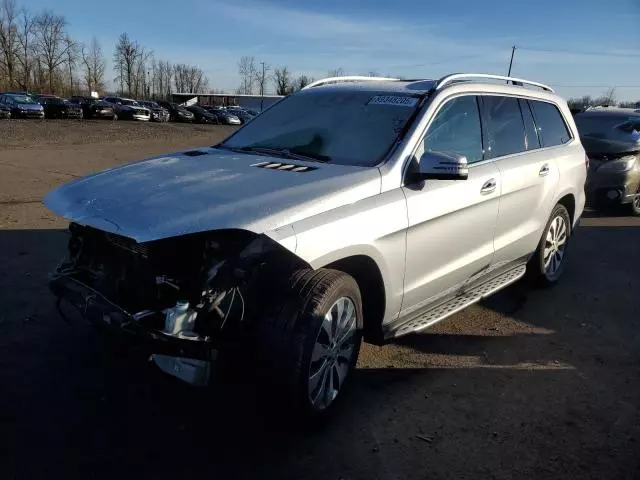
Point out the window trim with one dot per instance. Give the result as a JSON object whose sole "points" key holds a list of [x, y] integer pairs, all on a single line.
{"points": [[564, 121], [485, 115], [420, 141], [522, 101]]}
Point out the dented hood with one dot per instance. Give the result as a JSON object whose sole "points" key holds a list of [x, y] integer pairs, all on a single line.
{"points": [[216, 189]]}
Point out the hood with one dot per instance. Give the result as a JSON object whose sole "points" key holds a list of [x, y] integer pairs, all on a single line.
{"points": [[209, 189], [601, 146], [29, 106]]}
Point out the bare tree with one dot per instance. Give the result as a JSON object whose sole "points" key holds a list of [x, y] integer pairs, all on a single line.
{"points": [[283, 81], [261, 77], [94, 66], [125, 60], [26, 42], [50, 43], [8, 40], [247, 71], [301, 82], [72, 58], [336, 72]]}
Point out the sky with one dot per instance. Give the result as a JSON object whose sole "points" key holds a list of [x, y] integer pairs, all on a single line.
{"points": [[578, 47]]}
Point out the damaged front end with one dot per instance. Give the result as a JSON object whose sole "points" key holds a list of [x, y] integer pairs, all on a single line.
{"points": [[179, 298]]}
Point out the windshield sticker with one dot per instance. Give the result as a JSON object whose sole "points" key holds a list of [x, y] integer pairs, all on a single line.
{"points": [[396, 100]]}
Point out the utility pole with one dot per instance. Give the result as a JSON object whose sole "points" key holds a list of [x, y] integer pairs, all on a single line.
{"points": [[262, 87], [513, 51]]}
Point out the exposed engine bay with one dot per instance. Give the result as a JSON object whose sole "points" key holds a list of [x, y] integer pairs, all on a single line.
{"points": [[180, 296]]}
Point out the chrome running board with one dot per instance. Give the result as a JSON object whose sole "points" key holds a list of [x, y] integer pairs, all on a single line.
{"points": [[459, 302]]}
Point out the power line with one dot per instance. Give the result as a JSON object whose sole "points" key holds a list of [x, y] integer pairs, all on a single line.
{"points": [[580, 52]]}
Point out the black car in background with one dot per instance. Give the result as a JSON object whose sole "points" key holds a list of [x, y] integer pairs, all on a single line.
{"points": [[56, 107], [225, 116], [127, 108], [241, 113], [200, 115], [21, 106], [176, 112], [94, 108], [158, 114]]}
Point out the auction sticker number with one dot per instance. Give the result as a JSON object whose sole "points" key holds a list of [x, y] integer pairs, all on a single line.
{"points": [[396, 100]]}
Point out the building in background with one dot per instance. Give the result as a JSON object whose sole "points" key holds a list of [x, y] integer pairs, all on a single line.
{"points": [[256, 102]]}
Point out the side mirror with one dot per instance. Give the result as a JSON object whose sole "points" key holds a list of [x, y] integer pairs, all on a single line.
{"points": [[442, 166]]}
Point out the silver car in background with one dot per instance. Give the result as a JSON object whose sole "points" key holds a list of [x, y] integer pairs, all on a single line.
{"points": [[357, 208]]}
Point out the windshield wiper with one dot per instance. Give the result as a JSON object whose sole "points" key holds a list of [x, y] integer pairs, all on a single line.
{"points": [[280, 152]]}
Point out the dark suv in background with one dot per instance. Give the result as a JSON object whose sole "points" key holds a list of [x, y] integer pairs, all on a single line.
{"points": [[177, 113], [158, 114], [93, 108], [611, 138]]}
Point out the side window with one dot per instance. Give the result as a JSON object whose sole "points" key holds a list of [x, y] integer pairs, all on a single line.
{"points": [[530, 130], [456, 128], [505, 127], [551, 126]]}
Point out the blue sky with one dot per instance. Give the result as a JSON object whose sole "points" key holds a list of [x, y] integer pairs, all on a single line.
{"points": [[413, 38]]}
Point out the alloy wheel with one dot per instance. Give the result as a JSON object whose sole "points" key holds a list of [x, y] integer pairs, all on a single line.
{"points": [[554, 247], [332, 353]]}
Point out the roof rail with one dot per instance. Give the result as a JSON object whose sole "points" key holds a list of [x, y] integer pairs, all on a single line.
{"points": [[468, 76], [355, 78]]}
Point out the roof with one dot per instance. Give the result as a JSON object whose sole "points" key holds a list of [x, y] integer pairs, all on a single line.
{"points": [[458, 82]]}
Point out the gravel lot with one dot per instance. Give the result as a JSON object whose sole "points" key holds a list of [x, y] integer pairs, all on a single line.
{"points": [[530, 384]]}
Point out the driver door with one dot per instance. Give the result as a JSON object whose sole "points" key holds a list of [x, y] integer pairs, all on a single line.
{"points": [[451, 222]]}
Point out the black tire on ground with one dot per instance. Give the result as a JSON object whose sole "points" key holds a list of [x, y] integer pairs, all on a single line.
{"points": [[559, 224], [292, 336]]}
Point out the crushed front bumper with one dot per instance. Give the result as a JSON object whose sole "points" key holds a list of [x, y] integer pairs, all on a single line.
{"points": [[142, 331]]}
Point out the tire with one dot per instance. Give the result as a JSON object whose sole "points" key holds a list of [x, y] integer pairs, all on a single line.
{"points": [[546, 270], [304, 358]]}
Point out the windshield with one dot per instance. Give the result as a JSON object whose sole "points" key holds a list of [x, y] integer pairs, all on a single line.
{"points": [[345, 126], [23, 99], [609, 127], [131, 103]]}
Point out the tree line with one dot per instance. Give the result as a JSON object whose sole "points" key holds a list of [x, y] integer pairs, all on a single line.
{"points": [[608, 99], [37, 54]]}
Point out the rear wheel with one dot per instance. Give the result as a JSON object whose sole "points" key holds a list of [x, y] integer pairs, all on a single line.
{"points": [[548, 262]]}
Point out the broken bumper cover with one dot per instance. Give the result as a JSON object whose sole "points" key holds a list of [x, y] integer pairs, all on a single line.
{"points": [[132, 329]]}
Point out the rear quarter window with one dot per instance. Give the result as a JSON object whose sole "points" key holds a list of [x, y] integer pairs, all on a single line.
{"points": [[552, 128]]}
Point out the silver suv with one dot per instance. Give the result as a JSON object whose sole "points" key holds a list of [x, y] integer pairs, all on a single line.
{"points": [[356, 208]]}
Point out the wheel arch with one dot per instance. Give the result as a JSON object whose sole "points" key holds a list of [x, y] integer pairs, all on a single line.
{"points": [[569, 202], [367, 274]]}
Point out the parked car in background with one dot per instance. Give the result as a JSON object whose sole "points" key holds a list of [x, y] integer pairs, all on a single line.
{"points": [[369, 209], [225, 116], [611, 138], [94, 108], [243, 115], [158, 114], [177, 113], [56, 107], [200, 115], [128, 109], [21, 106]]}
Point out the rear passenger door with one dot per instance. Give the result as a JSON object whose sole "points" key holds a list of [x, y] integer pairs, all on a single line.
{"points": [[529, 174]]}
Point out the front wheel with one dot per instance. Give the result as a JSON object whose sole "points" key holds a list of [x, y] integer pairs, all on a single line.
{"points": [[548, 262], [313, 341]]}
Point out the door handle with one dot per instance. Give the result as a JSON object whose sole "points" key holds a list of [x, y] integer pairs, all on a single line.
{"points": [[544, 170], [489, 186]]}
